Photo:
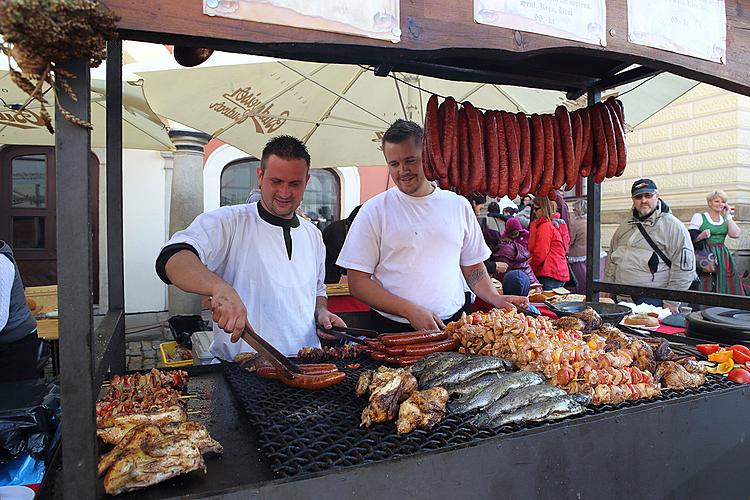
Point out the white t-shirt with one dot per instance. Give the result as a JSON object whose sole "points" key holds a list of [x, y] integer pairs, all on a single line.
{"points": [[250, 254], [413, 247]]}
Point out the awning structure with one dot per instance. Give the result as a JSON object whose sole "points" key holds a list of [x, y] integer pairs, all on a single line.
{"points": [[341, 110], [20, 122]]}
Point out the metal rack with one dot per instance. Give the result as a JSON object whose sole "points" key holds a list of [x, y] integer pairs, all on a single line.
{"points": [[88, 354]]}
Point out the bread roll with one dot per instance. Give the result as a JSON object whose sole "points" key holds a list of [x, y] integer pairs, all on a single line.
{"points": [[641, 320]]}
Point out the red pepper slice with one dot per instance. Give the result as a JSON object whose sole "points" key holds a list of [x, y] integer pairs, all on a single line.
{"points": [[708, 348], [740, 353]]}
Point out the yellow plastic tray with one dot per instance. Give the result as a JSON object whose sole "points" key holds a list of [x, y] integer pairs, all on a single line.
{"points": [[167, 349]]}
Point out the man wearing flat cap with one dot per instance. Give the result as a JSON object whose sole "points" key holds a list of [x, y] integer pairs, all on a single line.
{"points": [[652, 248]]}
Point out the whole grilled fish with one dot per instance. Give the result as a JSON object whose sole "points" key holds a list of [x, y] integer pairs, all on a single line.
{"points": [[517, 399], [550, 409], [495, 391], [469, 369], [468, 387], [432, 361], [439, 367]]}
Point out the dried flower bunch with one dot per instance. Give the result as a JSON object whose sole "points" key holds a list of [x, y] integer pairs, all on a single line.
{"points": [[40, 34]]}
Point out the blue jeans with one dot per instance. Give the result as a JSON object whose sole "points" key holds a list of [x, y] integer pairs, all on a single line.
{"points": [[549, 283]]}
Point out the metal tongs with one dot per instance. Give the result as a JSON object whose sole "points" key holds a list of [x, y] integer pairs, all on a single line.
{"points": [[284, 365], [351, 334]]}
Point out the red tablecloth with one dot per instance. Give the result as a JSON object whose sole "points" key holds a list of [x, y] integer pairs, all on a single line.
{"points": [[346, 304]]}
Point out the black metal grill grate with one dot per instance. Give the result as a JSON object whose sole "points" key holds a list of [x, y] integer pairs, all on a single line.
{"points": [[313, 431]]}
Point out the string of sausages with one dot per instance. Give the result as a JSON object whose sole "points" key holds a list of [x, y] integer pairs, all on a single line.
{"points": [[499, 153]]}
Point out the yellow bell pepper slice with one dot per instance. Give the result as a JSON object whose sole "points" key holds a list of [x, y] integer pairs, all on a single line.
{"points": [[720, 356], [722, 368]]}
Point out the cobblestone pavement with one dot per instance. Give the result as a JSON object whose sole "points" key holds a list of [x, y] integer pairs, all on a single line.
{"points": [[143, 354]]}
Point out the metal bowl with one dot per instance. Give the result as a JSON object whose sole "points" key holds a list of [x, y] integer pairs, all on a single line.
{"points": [[610, 313]]}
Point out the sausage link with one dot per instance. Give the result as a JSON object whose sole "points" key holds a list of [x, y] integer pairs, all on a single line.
{"points": [[491, 153], [428, 164], [270, 371], [454, 173], [400, 339], [314, 382], [267, 371], [609, 135], [431, 347], [408, 360], [566, 135], [449, 134], [432, 130], [464, 157], [396, 350], [383, 357], [475, 120], [514, 162], [588, 142], [537, 152], [549, 155], [524, 153], [576, 126], [502, 145], [601, 153], [622, 153], [375, 345], [558, 178]]}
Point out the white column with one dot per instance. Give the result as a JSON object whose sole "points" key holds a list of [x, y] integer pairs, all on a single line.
{"points": [[186, 202]]}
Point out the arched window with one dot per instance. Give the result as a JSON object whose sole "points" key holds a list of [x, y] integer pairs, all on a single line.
{"points": [[322, 201], [238, 179]]}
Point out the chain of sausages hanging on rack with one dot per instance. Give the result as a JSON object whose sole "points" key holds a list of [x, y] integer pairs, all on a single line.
{"points": [[499, 153]]}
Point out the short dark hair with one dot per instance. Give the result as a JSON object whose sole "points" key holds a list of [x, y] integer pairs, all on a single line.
{"points": [[401, 130], [286, 147]]}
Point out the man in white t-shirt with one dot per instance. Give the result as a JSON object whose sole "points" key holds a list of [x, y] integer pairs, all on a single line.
{"points": [[261, 264], [410, 248]]}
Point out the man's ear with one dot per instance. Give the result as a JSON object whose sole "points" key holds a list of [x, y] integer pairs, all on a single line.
{"points": [[259, 174]]}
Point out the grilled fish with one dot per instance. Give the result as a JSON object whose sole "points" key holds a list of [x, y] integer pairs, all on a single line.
{"points": [[515, 400], [495, 391], [550, 409], [469, 387], [431, 361], [440, 367], [469, 369]]}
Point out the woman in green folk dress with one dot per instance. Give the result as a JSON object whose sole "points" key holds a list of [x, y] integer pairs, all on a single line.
{"points": [[711, 229]]}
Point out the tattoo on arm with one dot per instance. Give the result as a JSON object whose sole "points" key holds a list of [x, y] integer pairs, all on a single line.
{"points": [[476, 276]]}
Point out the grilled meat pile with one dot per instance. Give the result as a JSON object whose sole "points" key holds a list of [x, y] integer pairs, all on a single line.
{"points": [[564, 357], [388, 388], [681, 374], [422, 410], [346, 351], [144, 416]]}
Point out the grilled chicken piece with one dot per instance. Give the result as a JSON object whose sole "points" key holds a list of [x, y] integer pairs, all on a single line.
{"points": [[569, 323], [388, 388], [151, 463], [363, 384], [643, 354], [122, 424], [422, 410], [247, 360], [590, 318], [681, 374], [195, 432]]}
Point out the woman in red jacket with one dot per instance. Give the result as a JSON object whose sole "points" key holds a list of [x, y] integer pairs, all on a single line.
{"points": [[548, 243]]}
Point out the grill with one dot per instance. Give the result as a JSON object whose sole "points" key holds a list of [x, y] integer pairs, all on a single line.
{"points": [[304, 432]]}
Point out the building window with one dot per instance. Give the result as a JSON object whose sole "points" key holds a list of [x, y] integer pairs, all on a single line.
{"points": [[238, 179], [321, 204]]}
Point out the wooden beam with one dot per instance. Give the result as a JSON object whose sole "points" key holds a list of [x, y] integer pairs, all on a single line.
{"points": [[429, 27]]}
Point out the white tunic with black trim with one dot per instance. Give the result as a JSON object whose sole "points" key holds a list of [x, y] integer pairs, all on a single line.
{"points": [[248, 250]]}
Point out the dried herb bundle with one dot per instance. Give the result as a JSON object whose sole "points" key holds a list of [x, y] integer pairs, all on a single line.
{"points": [[40, 34]]}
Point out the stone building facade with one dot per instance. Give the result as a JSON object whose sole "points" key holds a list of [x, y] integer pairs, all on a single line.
{"points": [[697, 144]]}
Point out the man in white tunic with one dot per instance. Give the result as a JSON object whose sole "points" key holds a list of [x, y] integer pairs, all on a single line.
{"points": [[411, 249], [261, 264]]}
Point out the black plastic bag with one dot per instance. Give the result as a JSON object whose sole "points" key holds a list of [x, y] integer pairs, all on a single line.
{"points": [[183, 326], [29, 417]]}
